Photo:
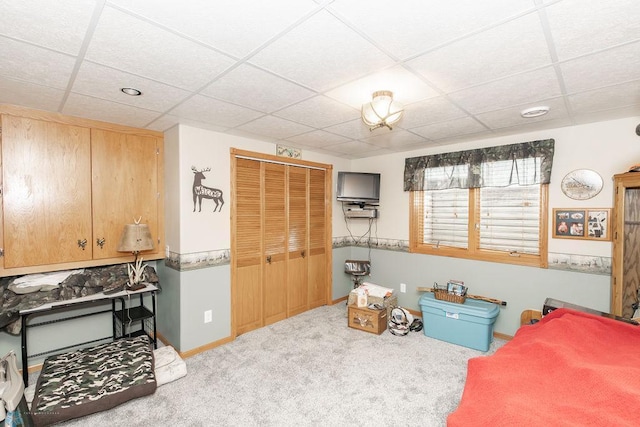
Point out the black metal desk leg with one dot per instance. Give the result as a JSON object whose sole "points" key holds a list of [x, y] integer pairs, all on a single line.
{"points": [[25, 364], [153, 308]]}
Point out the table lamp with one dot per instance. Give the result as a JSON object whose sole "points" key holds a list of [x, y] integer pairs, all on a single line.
{"points": [[135, 238]]}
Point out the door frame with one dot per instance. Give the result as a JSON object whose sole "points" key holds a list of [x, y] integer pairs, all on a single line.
{"points": [[236, 153]]}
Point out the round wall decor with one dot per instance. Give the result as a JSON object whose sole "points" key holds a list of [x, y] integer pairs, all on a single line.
{"points": [[581, 184]]}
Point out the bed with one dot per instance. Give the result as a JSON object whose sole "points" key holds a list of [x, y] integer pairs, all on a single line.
{"points": [[570, 368]]}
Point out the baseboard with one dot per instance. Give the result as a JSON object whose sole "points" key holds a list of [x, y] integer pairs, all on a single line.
{"points": [[197, 350]]}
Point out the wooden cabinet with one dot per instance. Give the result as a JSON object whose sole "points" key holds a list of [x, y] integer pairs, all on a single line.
{"points": [[69, 186], [124, 171], [626, 244], [281, 238], [46, 192]]}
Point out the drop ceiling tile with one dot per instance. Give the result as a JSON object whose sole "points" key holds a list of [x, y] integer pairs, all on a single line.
{"points": [[362, 149], [29, 95], [514, 90], [612, 114], [327, 54], [450, 129], [534, 127], [319, 112], [395, 139], [164, 123], [208, 110], [257, 89], [507, 49], [34, 64], [112, 112], [405, 85], [236, 27], [430, 111], [56, 25], [104, 82], [606, 98], [450, 140], [138, 47], [412, 26], [274, 127], [354, 129], [318, 138], [579, 27], [511, 116], [602, 69]]}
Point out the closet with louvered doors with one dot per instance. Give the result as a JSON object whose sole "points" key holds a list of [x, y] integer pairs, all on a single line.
{"points": [[280, 238]]}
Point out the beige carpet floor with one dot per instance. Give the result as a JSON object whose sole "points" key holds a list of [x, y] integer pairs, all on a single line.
{"points": [[309, 370]]}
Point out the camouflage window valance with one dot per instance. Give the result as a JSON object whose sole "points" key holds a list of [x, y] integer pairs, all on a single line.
{"points": [[526, 163]]}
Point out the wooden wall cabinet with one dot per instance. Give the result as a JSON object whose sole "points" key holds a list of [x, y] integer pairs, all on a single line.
{"points": [[69, 186], [626, 244], [280, 238]]}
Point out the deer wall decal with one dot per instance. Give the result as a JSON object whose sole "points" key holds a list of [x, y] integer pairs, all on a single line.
{"points": [[202, 192]]}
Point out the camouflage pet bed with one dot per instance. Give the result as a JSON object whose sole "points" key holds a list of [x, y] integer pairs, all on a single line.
{"points": [[94, 379]]}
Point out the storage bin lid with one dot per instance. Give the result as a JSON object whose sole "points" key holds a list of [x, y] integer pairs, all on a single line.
{"points": [[471, 307]]}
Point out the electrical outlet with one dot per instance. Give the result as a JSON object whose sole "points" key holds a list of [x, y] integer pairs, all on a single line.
{"points": [[403, 287], [208, 316]]}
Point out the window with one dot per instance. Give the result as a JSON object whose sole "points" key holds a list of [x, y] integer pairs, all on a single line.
{"points": [[486, 207]]}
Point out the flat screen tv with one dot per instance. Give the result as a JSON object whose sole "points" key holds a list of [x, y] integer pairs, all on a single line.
{"points": [[358, 187]]}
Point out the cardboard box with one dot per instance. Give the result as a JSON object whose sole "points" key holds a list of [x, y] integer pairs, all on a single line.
{"points": [[388, 302], [374, 321], [469, 324]]}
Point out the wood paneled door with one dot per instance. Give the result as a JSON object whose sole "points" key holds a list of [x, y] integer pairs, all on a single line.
{"points": [[280, 238]]}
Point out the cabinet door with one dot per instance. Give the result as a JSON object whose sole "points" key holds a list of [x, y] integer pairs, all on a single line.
{"points": [[125, 188], [247, 244], [297, 240], [631, 252], [317, 265], [274, 223], [46, 192]]}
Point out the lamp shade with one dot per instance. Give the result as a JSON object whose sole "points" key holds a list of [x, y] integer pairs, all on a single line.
{"points": [[135, 238], [382, 111]]}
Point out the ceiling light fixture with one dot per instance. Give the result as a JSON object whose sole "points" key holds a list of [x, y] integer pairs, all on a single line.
{"points": [[534, 112], [382, 111], [131, 91]]}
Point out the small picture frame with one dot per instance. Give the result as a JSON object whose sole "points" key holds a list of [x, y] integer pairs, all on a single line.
{"points": [[455, 287], [582, 223]]}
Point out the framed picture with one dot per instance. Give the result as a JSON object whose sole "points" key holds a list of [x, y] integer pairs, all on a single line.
{"points": [[587, 223]]}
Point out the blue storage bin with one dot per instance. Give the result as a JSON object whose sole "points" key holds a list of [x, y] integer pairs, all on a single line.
{"points": [[469, 324]]}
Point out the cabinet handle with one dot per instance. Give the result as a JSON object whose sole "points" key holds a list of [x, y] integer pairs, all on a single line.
{"points": [[302, 254], [82, 243], [269, 259], [100, 242]]}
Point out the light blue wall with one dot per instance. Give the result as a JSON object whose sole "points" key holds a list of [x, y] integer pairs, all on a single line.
{"points": [[521, 287]]}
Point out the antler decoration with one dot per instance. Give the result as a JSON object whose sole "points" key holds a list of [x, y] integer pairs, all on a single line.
{"points": [[136, 273]]}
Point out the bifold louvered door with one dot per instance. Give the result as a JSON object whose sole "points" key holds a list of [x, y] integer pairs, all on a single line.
{"points": [[247, 252], [275, 256], [280, 231]]}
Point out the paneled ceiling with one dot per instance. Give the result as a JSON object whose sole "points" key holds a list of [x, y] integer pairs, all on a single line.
{"points": [[296, 72]]}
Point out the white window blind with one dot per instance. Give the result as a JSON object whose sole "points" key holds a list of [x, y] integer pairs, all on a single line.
{"points": [[446, 219], [510, 215], [510, 218]]}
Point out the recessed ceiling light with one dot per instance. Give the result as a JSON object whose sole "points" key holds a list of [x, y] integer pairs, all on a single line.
{"points": [[131, 91], [534, 112]]}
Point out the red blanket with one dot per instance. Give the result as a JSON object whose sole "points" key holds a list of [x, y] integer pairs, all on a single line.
{"points": [[569, 369]]}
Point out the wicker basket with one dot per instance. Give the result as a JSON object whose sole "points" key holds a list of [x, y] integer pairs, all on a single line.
{"points": [[443, 295]]}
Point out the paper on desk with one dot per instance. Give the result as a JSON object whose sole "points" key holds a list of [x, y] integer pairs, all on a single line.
{"points": [[376, 290]]}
